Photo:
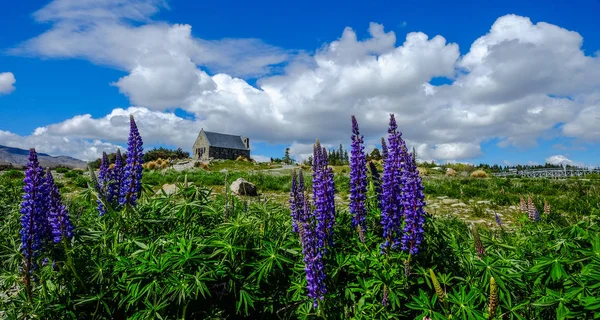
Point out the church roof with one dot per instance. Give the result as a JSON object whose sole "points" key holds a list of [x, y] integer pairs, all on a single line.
{"points": [[228, 141]]}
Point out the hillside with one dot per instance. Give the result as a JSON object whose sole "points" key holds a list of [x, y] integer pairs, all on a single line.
{"points": [[18, 158]]}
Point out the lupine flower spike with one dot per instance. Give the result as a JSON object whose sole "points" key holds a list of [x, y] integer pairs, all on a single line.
{"points": [[384, 149], [436, 284], [384, 301], [498, 221], [523, 205], [132, 176], [34, 220], [358, 181], [478, 244], [391, 199], [546, 207], [58, 216], [532, 211], [104, 178], [493, 298], [413, 203]]}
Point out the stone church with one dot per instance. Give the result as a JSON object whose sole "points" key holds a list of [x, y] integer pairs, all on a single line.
{"points": [[213, 145]]}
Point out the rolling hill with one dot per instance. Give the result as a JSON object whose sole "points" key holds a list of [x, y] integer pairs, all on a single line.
{"points": [[18, 158]]}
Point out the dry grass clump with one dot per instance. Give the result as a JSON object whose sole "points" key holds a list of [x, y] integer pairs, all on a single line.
{"points": [[479, 174], [450, 172], [241, 158], [422, 171], [151, 165]]}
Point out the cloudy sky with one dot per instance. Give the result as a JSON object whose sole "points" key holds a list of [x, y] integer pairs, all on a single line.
{"points": [[513, 84]]}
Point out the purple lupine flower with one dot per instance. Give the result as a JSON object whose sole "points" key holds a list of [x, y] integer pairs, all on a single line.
{"points": [[323, 195], [58, 216], [384, 301], [103, 182], [498, 221], [132, 176], [293, 201], [358, 180], [34, 220], [313, 252], [391, 199], [533, 214], [116, 178], [384, 149], [412, 201]]}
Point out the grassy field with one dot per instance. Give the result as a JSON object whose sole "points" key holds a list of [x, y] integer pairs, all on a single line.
{"points": [[201, 253]]}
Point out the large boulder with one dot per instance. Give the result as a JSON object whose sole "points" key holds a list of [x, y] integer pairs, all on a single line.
{"points": [[243, 188]]}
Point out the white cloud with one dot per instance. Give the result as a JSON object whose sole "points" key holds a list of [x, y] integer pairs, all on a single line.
{"points": [[7, 81], [260, 158], [516, 83]]}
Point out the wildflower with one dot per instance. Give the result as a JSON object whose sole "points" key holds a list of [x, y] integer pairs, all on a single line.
{"points": [[103, 181], [116, 177], [391, 201], [437, 286], [132, 175], [358, 179], [498, 221], [58, 216], [323, 195], [384, 301], [313, 250], [412, 200], [532, 211], [493, 298], [523, 205], [478, 244], [384, 149], [297, 199], [34, 220], [546, 207]]}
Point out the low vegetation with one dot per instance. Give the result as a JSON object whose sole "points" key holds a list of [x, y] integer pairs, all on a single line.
{"points": [[194, 254]]}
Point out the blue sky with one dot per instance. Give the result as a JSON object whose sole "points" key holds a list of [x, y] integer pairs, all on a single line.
{"points": [[285, 75]]}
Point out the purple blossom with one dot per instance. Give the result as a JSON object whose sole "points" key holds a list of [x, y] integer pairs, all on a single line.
{"points": [[384, 149], [58, 216], [313, 251], [116, 177], [103, 182], [413, 203], [358, 179], [323, 196], [132, 175], [34, 221], [294, 202], [498, 221], [391, 198]]}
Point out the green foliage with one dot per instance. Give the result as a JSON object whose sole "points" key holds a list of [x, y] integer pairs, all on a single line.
{"points": [[62, 170], [196, 255], [164, 153]]}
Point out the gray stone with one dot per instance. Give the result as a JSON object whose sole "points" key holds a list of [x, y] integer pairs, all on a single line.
{"points": [[460, 204], [169, 189], [243, 188], [442, 197], [449, 201], [483, 202]]}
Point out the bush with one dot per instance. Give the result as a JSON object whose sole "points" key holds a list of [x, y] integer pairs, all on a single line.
{"points": [[81, 182], [479, 174], [14, 174], [71, 175], [62, 170]]}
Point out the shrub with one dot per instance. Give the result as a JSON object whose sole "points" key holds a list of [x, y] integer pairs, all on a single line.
{"points": [[71, 174], [81, 182], [14, 174], [479, 174], [62, 170]]}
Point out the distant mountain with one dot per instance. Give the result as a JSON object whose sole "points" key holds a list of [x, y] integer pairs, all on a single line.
{"points": [[18, 158]]}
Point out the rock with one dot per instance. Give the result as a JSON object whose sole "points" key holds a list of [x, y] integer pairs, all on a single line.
{"points": [[449, 201], [471, 200], [460, 204], [243, 188], [514, 208], [169, 189], [483, 202], [442, 197]]}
